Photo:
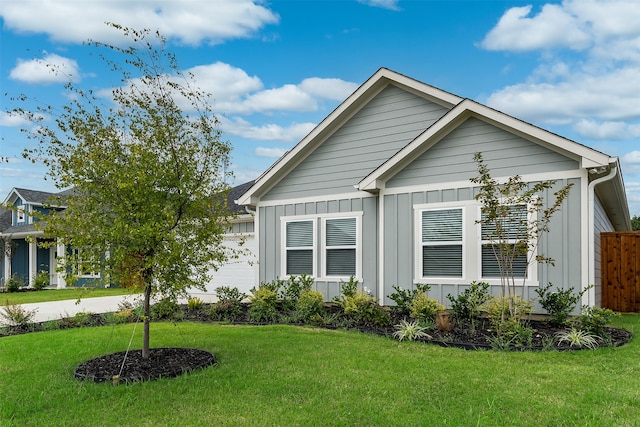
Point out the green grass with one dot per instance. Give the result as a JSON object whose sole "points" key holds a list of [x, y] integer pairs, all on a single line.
{"points": [[59, 295], [286, 376]]}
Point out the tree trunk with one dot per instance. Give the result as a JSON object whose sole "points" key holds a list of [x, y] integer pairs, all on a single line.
{"points": [[147, 319]]}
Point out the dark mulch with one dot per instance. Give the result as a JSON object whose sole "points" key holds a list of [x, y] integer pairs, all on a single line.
{"points": [[130, 367]]}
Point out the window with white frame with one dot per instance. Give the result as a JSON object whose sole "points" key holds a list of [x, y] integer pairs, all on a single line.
{"points": [[500, 236], [21, 215], [84, 264], [441, 242], [299, 247], [341, 235]]}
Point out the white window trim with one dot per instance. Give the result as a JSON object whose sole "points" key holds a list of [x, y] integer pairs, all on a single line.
{"points": [[77, 267], [283, 240], [358, 247], [319, 265], [21, 214], [471, 246]]}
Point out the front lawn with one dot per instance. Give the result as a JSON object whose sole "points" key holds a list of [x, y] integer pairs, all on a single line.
{"points": [[8, 298], [289, 375]]}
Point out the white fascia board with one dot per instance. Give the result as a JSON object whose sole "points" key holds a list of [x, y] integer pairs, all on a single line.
{"points": [[381, 79]]}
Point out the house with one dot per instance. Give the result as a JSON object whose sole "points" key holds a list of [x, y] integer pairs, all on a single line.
{"points": [[22, 256], [362, 193]]}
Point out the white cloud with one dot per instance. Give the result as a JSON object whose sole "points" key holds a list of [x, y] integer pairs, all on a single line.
{"points": [[271, 153], [13, 120], [385, 4], [188, 21], [333, 89], [269, 132], [607, 130], [51, 68], [631, 163], [554, 26]]}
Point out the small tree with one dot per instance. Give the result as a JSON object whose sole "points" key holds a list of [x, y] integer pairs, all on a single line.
{"points": [[514, 218], [148, 206], [635, 223]]}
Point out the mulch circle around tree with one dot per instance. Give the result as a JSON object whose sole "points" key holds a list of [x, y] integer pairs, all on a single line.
{"points": [[162, 363]]}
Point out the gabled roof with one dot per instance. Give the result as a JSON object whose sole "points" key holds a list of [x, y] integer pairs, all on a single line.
{"points": [[33, 197], [586, 157], [356, 101]]}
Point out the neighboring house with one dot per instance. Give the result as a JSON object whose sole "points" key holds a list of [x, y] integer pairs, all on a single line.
{"points": [[24, 258], [366, 191]]}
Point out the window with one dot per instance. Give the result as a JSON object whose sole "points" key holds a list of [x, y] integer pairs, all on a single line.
{"points": [[85, 264], [441, 243], [20, 215], [501, 237], [299, 244], [340, 246]]}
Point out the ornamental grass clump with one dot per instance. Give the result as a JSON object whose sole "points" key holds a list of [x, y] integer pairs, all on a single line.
{"points": [[578, 338], [15, 315], [410, 331]]}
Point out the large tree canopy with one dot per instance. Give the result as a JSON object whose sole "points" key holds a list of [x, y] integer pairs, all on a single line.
{"points": [[147, 167]]}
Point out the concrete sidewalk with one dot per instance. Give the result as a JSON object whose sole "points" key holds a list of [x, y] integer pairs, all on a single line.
{"points": [[67, 308]]}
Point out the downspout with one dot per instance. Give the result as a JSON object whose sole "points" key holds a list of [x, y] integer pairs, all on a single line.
{"points": [[590, 297]]}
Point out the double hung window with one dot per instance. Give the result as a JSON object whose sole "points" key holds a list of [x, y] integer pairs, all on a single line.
{"points": [[504, 242], [299, 247], [335, 254], [340, 246], [441, 241]]}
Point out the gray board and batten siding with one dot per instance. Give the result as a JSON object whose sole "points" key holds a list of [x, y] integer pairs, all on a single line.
{"points": [[451, 159], [270, 244], [601, 224], [391, 120]]}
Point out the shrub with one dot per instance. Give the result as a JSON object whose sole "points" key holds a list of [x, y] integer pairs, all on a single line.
{"points": [[594, 320], [497, 308], [559, 303], [291, 290], [410, 331], [41, 280], [80, 319], [15, 315], [363, 309], [466, 306], [424, 308], [166, 308], [310, 305], [263, 305], [349, 289], [229, 305], [124, 315], [578, 338], [404, 297], [13, 283]]}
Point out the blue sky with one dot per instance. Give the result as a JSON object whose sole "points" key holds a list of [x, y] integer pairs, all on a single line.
{"points": [[276, 69]]}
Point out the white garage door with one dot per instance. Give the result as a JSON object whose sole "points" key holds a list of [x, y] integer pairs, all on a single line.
{"points": [[239, 273]]}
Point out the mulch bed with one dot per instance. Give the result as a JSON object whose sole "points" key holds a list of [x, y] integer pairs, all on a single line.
{"points": [[126, 367]]}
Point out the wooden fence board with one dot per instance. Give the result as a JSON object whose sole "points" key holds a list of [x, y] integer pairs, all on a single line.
{"points": [[621, 271]]}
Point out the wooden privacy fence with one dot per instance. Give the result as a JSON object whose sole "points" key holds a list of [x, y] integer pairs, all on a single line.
{"points": [[621, 271]]}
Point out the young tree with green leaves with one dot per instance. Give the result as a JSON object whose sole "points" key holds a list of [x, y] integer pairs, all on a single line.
{"points": [[146, 165], [513, 220], [635, 223]]}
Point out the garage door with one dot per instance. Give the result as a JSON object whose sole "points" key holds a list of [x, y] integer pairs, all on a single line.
{"points": [[241, 273]]}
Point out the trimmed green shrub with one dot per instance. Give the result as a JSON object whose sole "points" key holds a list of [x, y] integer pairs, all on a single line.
{"points": [[263, 305], [423, 308], [166, 308], [310, 305], [229, 305], [364, 310], [404, 297], [559, 303], [13, 283], [594, 320], [466, 306]]}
